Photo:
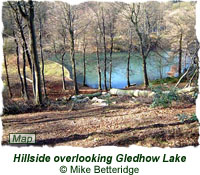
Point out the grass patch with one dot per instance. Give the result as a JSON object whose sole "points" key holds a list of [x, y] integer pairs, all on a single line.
{"points": [[168, 80], [51, 68], [54, 69]]}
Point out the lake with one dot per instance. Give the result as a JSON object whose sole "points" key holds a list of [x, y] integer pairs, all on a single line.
{"points": [[156, 66]]}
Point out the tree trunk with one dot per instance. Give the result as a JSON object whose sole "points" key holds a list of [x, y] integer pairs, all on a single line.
{"points": [[26, 96], [104, 45], [72, 53], [74, 71], [27, 51], [128, 68], [160, 68], [144, 65], [34, 54], [42, 58], [33, 78], [135, 93], [105, 64], [111, 51], [7, 76], [144, 57], [180, 55], [129, 57], [18, 66], [160, 73], [84, 67], [145, 45], [98, 64], [72, 49], [24, 40], [63, 72]]}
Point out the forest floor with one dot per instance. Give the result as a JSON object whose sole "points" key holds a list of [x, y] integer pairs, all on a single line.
{"points": [[125, 121]]}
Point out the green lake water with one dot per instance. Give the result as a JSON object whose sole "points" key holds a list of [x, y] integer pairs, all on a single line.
{"points": [[119, 69]]}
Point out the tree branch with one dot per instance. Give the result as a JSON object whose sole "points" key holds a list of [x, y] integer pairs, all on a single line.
{"points": [[25, 15]]}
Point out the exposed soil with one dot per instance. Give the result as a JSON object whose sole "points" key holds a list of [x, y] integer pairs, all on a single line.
{"points": [[122, 123]]}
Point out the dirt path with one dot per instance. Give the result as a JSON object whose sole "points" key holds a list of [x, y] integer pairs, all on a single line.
{"points": [[120, 124]]}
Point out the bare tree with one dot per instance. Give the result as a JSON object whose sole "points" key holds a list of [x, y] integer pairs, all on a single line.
{"points": [[96, 41], [26, 96], [7, 76], [63, 71], [112, 18], [18, 26], [104, 46], [101, 23], [143, 31], [96, 27], [180, 31], [29, 17], [69, 15], [14, 31], [18, 64], [41, 50], [19, 22], [129, 56], [97, 38]]}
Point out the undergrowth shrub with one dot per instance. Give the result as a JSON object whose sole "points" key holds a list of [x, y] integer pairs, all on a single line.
{"points": [[184, 117], [164, 96], [11, 107]]}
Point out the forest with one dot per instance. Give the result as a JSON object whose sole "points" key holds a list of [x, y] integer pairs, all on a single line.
{"points": [[101, 73]]}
